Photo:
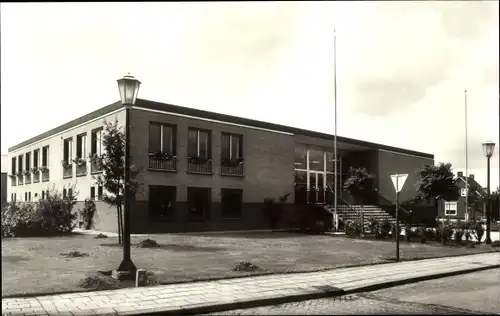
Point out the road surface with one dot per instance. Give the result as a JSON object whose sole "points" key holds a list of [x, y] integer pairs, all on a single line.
{"points": [[473, 293]]}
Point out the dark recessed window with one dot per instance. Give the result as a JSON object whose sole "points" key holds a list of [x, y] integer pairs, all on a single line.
{"points": [[68, 149], [199, 143], [92, 193], [70, 192], [96, 142], [162, 201], [231, 202], [43, 195], [199, 200], [162, 138], [25, 196], [232, 146], [99, 192], [64, 192]]}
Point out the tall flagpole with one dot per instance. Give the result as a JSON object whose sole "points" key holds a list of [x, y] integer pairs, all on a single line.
{"points": [[335, 135], [466, 164]]}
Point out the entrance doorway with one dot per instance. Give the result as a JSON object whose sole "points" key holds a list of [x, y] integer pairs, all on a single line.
{"points": [[316, 187]]}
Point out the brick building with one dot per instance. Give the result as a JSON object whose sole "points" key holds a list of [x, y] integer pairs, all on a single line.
{"points": [[202, 170]]}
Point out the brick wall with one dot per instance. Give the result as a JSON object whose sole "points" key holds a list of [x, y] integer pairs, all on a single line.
{"points": [[268, 168]]}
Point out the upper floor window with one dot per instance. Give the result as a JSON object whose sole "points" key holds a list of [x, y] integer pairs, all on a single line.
{"points": [[81, 146], [232, 146], [68, 149], [199, 143], [28, 161], [36, 157], [45, 156], [13, 165], [96, 141], [162, 138], [20, 163], [316, 160]]}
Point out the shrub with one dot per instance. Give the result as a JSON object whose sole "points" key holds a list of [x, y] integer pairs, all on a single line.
{"points": [[430, 234], [385, 228], [393, 231], [273, 211], [409, 233], [353, 228], [445, 232], [87, 214], [375, 228], [495, 243], [48, 217], [459, 234], [478, 232], [422, 233]]}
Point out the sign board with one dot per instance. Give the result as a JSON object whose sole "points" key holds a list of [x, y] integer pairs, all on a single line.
{"points": [[398, 180], [450, 206], [463, 192]]}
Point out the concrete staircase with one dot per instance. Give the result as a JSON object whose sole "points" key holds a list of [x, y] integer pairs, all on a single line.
{"points": [[353, 212]]}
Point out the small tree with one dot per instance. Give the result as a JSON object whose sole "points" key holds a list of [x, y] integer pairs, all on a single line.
{"points": [[358, 183], [273, 211], [437, 182], [112, 163]]}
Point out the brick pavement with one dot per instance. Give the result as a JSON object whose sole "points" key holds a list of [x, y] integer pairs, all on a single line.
{"points": [[234, 293]]}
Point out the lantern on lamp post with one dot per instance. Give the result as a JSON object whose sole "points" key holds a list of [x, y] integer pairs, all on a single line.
{"points": [[128, 87], [488, 148]]}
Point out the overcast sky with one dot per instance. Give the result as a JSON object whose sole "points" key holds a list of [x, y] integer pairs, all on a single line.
{"points": [[402, 67]]}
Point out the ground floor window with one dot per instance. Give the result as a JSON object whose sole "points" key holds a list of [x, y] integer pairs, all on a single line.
{"points": [[231, 202], [162, 201], [199, 200]]}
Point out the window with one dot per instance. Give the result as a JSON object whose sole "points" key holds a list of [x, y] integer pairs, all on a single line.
{"points": [[15, 197], [199, 200], [20, 163], [81, 145], [450, 208], [29, 196], [162, 201], [70, 192], [199, 143], [43, 195], [99, 192], [300, 157], [68, 148], [13, 166], [231, 202], [316, 160], [45, 156], [95, 141], [64, 192], [36, 157], [162, 138], [28, 160], [25, 196], [232, 146], [92, 193]]}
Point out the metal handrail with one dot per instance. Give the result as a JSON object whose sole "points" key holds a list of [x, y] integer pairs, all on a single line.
{"points": [[343, 202]]}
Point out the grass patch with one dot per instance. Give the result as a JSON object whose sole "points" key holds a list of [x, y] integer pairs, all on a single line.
{"points": [[185, 258]]}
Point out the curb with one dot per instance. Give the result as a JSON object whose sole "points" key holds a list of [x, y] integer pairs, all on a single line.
{"points": [[385, 261], [332, 292]]}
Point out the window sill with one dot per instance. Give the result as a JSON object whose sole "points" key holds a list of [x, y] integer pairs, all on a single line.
{"points": [[232, 175], [162, 170], [67, 177], [201, 173], [46, 180], [81, 175], [96, 172]]}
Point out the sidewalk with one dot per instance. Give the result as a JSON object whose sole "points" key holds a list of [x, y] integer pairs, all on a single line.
{"points": [[211, 296]]}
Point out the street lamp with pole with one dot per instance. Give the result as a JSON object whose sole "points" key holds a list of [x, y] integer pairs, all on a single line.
{"points": [[128, 87], [488, 148]]}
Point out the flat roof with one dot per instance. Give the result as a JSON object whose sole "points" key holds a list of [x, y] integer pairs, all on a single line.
{"points": [[152, 105]]}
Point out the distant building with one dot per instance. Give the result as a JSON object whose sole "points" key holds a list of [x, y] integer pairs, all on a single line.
{"points": [[457, 209], [203, 170], [5, 168]]}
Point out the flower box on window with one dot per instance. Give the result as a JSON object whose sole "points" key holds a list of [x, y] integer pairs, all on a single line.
{"points": [[79, 161], [66, 164], [19, 174], [27, 172], [232, 162], [35, 170], [199, 160], [160, 155], [44, 169], [12, 176]]}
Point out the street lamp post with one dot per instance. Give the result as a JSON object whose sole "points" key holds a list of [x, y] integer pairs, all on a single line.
{"points": [[128, 87], [488, 148]]}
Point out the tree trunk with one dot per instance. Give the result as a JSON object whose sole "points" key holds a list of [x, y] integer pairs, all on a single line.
{"points": [[118, 217]]}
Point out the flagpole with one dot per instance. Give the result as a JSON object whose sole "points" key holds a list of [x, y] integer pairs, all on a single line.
{"points": [[335, 135], [466, 164]]}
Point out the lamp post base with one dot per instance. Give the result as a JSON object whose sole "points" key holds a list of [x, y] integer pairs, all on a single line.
{"points": [[488, 241], [126, 271]]}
